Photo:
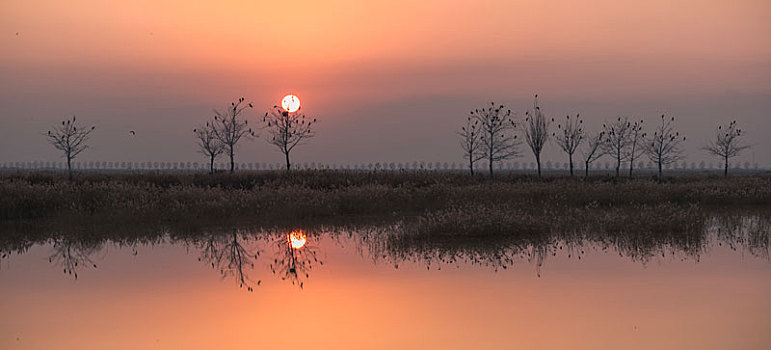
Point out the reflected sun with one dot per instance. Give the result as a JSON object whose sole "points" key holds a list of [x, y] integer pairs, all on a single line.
{"points": [[297, 239]]}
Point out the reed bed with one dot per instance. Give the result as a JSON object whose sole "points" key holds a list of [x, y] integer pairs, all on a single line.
{"points": [[280, 196]]}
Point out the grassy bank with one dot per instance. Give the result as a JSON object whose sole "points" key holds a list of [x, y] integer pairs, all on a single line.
{"points": [[301, 195]]}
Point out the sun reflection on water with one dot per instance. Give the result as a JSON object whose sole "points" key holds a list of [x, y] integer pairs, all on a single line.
{"points": [[297, 239]]}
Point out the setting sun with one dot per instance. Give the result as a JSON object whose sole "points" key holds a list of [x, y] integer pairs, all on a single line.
{"points": [[297, 239], [290, 103]]}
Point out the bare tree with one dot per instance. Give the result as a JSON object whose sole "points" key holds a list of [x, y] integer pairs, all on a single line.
{"points": [[617, 140], [726, 144], [536, 131], [208, 143], [471, 141], [594, 149], [498, 139], [288, 129], [636, 137], [570, 136], [70, 138], [229, 128], [665, 146]]}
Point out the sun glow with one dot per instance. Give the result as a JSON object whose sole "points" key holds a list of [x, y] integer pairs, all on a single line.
{"points": [[297, 239], [290, 103]]}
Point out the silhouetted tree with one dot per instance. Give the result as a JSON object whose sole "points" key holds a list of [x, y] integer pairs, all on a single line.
{"points": [[636, 138], [726, 144], [69, 138], [471, 141], [570, 136], [594, 149], [498, 139], [618, 140], [536, 131], [208, 143], [229, 128], [665, 146], [288, 129]]}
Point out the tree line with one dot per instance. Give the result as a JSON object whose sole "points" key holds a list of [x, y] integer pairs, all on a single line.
{"points": [[494, 134], [216, 137], [491, 133], [286, 130]]}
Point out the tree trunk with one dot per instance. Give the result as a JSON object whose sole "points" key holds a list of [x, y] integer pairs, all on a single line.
{"points": [[538, 162], [570, 157], [69, 167], [725, 171], [618, 165], [491, 149], [587, 169], [232, 162], [631, 166], [660, 176], [471, 165], [211, 165], [286, 154]]}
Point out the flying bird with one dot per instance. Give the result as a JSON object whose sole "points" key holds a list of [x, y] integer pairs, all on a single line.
{"points": [[132, 132]]}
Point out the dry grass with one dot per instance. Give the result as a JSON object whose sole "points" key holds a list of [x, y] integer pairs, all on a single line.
{"points": [[277, 196]]}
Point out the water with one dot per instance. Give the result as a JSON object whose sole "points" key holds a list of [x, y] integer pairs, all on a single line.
{"points": [[362, 289]]}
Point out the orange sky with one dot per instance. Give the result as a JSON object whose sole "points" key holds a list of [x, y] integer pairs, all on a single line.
{"points": [[127, 64]]}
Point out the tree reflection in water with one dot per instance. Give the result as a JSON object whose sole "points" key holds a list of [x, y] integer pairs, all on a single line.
{"points": [[72, 255], [230, 254], [437, 245], [295, 256], [291, 254], [235, 255]]}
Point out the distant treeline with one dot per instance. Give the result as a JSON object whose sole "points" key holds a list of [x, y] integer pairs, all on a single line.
{"points": [[378, 166]]}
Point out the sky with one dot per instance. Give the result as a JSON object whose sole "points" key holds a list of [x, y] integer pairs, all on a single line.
{"points": [[388, 80]]}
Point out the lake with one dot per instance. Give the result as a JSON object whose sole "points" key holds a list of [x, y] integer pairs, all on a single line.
{"points": [[367, 287]]}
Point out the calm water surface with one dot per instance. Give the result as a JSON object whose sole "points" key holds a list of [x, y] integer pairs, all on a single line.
{"points": [[349, 290]]}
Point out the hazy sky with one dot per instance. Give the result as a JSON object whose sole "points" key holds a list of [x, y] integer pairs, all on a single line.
{"points": [[389, 80]]}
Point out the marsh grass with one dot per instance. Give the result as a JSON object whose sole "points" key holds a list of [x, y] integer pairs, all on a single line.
{"points": [[635, 229], [280, 196]]}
